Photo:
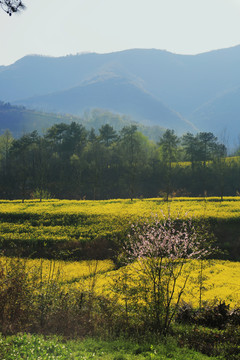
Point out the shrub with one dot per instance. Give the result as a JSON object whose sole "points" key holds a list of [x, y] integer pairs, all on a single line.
{"points": [[33, 300], [16, 296], [217, 315]]}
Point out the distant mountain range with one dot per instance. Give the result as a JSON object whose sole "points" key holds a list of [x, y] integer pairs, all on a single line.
{"points": [[154, 87]]}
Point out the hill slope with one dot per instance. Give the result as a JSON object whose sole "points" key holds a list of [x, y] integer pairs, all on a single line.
{"points": [[220, 115], [20, 120], [116, 94]]}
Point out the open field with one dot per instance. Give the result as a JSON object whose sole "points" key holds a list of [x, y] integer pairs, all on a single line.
{"points": [[93, 229], [81, 298]]}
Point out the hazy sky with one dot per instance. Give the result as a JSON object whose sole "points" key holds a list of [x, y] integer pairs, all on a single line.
{"points": [[58, 27]]}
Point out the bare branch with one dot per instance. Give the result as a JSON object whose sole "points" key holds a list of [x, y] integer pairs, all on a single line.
{"points": [[12, 6]]}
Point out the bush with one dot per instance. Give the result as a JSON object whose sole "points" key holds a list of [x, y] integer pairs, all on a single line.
{"points": [[213, 316], [33, 302], [16, 296], [216, 316], [212, 342]]}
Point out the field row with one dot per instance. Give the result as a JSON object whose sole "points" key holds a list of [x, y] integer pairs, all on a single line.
{"points": [[75, 229], [60, 210]]}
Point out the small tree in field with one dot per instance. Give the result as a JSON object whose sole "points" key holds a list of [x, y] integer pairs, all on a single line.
{"points": [[161, 252]]}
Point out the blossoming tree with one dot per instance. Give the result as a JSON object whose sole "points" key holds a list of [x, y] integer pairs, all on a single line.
{"points": [[161, 253]]}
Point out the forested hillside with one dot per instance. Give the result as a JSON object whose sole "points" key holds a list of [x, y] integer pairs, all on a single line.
{"points": [[20, 120]]}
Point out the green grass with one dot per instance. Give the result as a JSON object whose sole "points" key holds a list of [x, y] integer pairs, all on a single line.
{"points": [[32, 347]]}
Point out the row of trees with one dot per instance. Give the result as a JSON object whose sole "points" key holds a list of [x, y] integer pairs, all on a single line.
{"points": [[71, 162]]}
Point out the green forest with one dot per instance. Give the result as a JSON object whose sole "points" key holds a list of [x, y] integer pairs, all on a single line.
{"points": [[71, 162]]}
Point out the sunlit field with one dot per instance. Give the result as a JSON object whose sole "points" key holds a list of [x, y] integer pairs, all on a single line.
{"points": [[220, 278], [57, 221], [207, 207], [64, 220]]}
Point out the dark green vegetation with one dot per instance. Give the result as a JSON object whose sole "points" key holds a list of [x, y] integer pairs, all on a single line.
{"points": [[69, 161]]}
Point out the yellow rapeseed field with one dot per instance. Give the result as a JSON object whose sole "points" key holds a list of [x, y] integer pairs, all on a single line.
{"points": [[82, 220], [64, 220], [220, 278], [126, 209]]}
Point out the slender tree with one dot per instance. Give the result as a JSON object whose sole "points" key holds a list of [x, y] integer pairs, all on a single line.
{"points": [[191, 145], [107, 134], [23, 154], [6, 141], [130, 148], [207, 146], [169, 144], [220, 167]]}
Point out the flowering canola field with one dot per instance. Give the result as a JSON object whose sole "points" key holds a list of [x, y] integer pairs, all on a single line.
{"points": [[63, 220], [196, 207], [220, 282], [51, 226], [220, 278]]}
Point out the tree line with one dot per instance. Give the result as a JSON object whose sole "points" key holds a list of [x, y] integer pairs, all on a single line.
{"points": [[71, 162]]}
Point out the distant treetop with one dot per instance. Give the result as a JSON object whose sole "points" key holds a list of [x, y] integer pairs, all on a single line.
{"points": [[11, 6]]}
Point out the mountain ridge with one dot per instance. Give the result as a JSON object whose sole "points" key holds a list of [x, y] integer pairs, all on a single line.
{"points": [[182, 83], [115, 93]]}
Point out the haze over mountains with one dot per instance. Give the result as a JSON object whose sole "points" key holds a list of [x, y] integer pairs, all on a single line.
{"points": [[181, 92]]}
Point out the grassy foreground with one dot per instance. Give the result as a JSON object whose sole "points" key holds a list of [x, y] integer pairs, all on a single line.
{"points": [[32, 347]]}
